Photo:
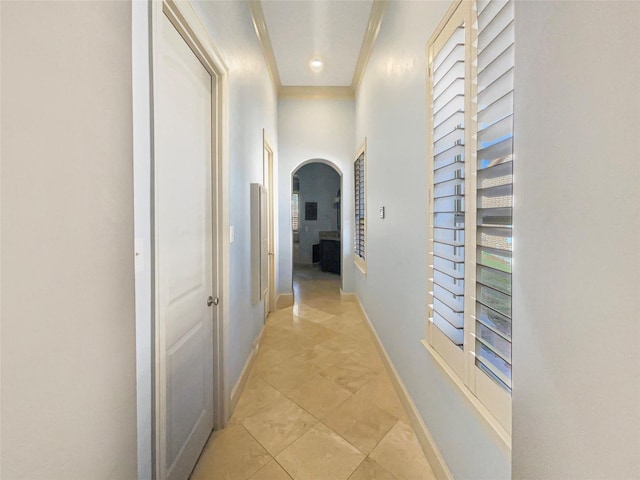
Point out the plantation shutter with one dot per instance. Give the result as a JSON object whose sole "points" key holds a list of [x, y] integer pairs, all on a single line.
{"points": [[494, 189], [295, 212], [359, 206], [448, 217]]}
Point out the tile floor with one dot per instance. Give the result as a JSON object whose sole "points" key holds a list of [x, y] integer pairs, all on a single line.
{"points": [[319, 404]]}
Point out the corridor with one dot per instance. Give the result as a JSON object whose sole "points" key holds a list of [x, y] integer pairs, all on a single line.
{"points": [[319, 404]]}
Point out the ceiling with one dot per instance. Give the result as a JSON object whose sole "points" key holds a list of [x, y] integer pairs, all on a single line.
{"points": [[296, 31]]}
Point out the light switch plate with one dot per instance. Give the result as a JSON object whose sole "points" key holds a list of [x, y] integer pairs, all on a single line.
{"points": [[381, 212], [231, 234]]}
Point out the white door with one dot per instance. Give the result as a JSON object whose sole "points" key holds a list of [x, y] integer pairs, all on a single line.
{"points": [[184, 249], [269, 299]]}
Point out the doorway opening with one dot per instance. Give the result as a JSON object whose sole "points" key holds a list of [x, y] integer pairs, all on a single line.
{"points": [[316, 223]]}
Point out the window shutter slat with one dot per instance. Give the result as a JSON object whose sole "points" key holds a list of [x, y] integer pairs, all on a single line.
{"points": [[445, 90], [495, 154], [452, 204], [449, 139], [494, 320], [295, 213], [500, 368], [495, 90], [493, 278], [455, 154], [454, 319], [494, 196], [499, 171], [492, 22], [448, 213], [498, 259], [451, 237], [456, 335], [500, 108], [493, 19], [481, 5], [496, 130], [493, 71], [450, 53], [497, 196], [455, 73], [454, 122], [454, 285], [359, 187], [453, 106], [452, 269]]}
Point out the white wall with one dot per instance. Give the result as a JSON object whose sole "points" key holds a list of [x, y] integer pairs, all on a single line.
{"points": [[391, 113], [318, 183], [68, 326], [315, 129], [576, 362], [252, 107]]}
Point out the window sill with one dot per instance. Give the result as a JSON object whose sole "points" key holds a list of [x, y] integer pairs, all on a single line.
{"points": [[361, 264], [487, 420]]}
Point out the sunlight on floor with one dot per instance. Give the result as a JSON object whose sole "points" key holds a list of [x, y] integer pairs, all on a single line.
{"points": [[319, 404]]}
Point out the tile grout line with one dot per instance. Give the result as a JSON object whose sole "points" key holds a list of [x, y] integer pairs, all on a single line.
{"points": [[359, 350]]}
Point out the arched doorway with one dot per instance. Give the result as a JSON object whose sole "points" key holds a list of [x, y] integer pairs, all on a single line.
{"points": [[316, 220]]}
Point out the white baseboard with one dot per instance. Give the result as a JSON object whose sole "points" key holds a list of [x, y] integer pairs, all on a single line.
{"points": [[428, 444], [348, 296], [244, 375], [284, 300]]}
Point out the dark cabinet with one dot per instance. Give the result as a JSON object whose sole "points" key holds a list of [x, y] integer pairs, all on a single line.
{"points": [[330, 255]]}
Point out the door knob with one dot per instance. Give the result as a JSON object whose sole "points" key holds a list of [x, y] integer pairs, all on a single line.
{"points": [[212, 301]]}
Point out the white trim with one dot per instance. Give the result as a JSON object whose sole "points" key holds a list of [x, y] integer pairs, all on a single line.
{"points": [[368, 41], [445, 19], [269, 180], [361, 264], [311, 92], [307, 91], [348, 296], [284, 300], [488, 421], [455, 356], [1, 263], [428, 444], [238, 388], [323, 161], [184, 18], [260, 25], [461, 363]]}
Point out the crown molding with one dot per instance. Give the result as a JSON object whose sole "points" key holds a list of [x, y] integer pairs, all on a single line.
{"points": [[369, 39], [311, 92], [349, 92], [260, 25]]}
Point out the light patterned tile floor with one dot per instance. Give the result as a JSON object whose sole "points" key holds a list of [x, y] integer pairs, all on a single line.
{"points": [[318, 404]]}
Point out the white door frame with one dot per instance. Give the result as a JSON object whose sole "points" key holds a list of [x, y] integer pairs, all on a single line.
{"points": [[268, 181], [185, 20]]}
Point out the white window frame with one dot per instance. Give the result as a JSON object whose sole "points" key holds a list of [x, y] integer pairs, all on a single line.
{"points": [[489, 399], [359, 260]]}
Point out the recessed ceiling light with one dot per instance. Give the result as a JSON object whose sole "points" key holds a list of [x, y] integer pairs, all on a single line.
{"points": [[316, 64]]}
